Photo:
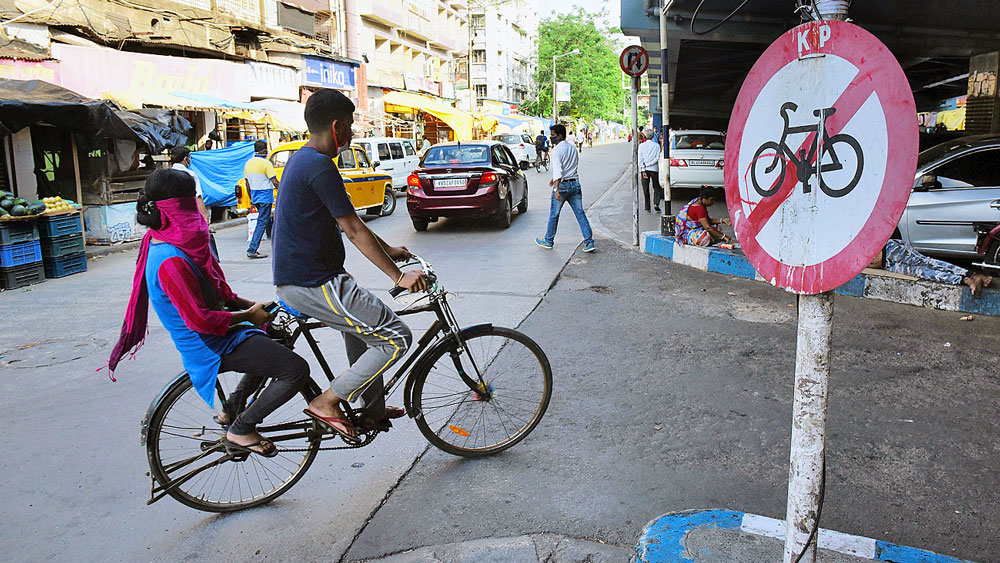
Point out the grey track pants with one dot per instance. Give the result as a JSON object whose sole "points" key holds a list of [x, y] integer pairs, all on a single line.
{"points": [[343, 305]]}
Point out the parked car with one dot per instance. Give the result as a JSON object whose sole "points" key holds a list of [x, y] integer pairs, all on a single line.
{"points": [[696, 158], [957, 184], [468, 179], [370, 190], [520, 144], [395, 156]]}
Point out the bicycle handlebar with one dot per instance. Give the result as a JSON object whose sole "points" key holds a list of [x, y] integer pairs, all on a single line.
{"points": [[395, 291]]}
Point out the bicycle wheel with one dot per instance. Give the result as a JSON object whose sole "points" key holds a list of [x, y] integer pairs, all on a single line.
{"points": [[839, 143], [464, 422], [776, 185], [184, 441]]}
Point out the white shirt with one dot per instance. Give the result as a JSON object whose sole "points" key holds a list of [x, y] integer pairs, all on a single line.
{"points": [[565, 161], [197, 182], [571, 139], [649, 156]]}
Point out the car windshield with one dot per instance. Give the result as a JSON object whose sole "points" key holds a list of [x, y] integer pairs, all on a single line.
{"points": [[699, 141], [457, 154], [938, 151], [507, 139]]}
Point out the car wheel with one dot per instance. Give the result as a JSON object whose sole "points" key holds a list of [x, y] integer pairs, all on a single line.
{"points": [[993, 253], [523, 206], [503, 216], [420, 223], [388, 202]]}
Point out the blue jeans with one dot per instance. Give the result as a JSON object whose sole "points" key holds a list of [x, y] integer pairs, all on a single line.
{"points": [[263, 224], [569, 192]]}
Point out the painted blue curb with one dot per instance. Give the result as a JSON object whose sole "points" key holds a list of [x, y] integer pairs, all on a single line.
{"points": [[919, 293], [663, 540]]}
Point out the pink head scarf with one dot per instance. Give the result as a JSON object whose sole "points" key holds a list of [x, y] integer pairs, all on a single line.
{"points": [[183, 226]]}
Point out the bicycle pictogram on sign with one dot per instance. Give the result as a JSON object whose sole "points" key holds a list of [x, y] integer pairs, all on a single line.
{"points": [[805, 162]]}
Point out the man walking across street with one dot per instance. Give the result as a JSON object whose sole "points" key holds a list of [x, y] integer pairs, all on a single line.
{"points": [[565, 188], [261, 181], [649, 165], [309, 267]]}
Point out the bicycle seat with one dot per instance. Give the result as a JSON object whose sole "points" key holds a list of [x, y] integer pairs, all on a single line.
{"points": [[291, 311]]}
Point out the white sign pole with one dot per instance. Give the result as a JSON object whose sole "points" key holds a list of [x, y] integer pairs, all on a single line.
{"points": [[806, 467], [635, 161]]}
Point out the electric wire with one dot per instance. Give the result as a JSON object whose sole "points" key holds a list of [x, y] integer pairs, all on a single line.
{"points": [[718, 25]]}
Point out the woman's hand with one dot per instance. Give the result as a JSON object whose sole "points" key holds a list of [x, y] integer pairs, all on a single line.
{"points": [[258, 315], [725, 221]]}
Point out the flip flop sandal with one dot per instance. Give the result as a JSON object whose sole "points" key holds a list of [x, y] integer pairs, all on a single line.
{"points": [[219, 422], [331, 422], [268, 449]]}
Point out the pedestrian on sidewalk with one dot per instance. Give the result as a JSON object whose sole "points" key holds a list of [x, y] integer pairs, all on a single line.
{"points": [[565, 188], [261, 181], [649, 165], [695, 227]]}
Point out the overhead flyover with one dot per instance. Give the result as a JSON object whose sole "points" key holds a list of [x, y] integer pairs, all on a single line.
{"points": [[933, 42]]}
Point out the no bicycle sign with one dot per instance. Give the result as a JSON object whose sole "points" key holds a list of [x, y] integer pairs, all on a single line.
{"points": [[820, 156]]}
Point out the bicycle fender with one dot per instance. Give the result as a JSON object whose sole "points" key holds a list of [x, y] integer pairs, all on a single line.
{"points": [[144, 424], [423, 361]]}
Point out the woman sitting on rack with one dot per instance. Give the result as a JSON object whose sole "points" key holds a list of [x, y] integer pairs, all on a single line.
{"points": [[213, 329], [695, 227]]}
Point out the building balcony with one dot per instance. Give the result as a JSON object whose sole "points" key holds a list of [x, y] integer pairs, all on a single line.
{"points": [[446, 42], [458, 4], [479, 71], [417, 26], [380, 12]]}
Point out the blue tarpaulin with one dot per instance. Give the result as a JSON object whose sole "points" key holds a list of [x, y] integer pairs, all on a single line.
{"points": [[220, 170]]}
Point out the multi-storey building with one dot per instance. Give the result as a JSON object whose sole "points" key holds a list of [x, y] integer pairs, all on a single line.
{"points": [[504, 49], [412, 45]]}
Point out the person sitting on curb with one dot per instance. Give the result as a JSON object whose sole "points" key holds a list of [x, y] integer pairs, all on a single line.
{"points": [[902, 258], [695, 227]]}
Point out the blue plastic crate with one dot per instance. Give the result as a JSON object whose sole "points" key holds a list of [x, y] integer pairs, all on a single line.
{"points": [[20, 253], [20, 276], [22, 230], [61, 246], [66, 265], [60, 225]]}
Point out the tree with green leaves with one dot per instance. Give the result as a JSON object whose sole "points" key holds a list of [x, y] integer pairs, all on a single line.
{"points": [[594, 74]]}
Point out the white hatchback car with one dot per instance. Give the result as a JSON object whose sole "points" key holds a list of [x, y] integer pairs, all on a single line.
{"points": [[521, 144], [696, 159]]}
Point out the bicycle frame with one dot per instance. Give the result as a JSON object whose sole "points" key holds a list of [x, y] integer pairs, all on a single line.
{"points": [[804, 172]]}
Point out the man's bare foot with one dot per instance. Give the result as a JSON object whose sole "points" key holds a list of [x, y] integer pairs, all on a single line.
{"points": [[975, 284], [987, 280], [254, 441]]}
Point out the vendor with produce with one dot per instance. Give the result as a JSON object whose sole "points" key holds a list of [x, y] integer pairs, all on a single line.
{"points": [[20, 207]]}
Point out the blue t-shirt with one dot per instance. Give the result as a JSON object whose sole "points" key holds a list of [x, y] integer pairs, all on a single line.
{"points": [[307, 246]]}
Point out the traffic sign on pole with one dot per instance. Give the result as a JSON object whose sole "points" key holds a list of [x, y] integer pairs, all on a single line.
{"points": [[634, 60], [820, 156]]}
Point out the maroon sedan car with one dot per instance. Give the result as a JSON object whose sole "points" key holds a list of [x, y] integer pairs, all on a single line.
{"points": [[466, 179]]}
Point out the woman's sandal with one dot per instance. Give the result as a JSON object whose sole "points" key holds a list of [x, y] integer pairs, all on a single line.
{"points": [[267, 447], [340, 426]]}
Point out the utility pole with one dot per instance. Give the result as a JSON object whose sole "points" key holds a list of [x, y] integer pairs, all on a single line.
{"points": [[555, 98], [665, 112], [635, 160]]}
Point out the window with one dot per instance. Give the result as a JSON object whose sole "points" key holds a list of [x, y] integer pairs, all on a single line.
{"points": [[345, 161], [363, 159], [478, 21], [280, 158], [408, 146], [700, 141], [508, 138], [480, 90], [527, 140], [456, 154], [397, 150], [479, 55], [383, 151], [979, 169]]}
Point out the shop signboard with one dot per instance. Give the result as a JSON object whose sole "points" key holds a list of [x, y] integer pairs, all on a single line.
{"points": [[324, 73], [84, 70], [15, 69], [274, 81]]}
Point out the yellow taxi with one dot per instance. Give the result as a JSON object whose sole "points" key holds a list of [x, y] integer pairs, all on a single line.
{"points": [[369, 189]]}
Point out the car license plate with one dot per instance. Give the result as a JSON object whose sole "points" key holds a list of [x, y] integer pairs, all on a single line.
{"points": [[452, 183], [701, 162]]}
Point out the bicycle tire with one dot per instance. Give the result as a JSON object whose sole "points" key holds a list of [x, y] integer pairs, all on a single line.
{"points": [[781, 175], [196, 411], [853, 143], [439, 423]]}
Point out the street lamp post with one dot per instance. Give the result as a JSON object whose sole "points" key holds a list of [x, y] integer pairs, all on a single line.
{"points": [[555, 102]]}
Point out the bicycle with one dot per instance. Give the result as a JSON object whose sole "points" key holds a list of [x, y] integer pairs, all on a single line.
{"points": [[542, 161], [483, 384], [803, 162]]}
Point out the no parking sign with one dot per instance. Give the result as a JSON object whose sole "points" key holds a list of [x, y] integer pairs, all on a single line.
{"points": [[820, 156]]}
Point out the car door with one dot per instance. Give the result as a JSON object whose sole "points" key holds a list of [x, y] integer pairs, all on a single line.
{"points": [[519, 183], [940, 212], [348, 166], [411, 159], [399, 172], [508, 162], [386, 164]]}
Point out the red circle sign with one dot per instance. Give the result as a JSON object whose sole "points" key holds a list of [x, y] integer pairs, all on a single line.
{"points": [[820, 155], [634, 60]]}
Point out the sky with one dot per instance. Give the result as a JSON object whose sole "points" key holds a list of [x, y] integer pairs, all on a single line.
{"points": [[613, 8]]}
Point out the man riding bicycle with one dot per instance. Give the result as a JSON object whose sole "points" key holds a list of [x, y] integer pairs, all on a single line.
{"points": [[313, 209], [541, 145]]}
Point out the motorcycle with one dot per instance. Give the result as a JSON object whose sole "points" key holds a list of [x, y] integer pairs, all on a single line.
{"points": [[988, 246]]}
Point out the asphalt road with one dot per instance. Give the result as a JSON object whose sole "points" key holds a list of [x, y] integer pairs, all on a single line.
{"points": [[73, 473]]}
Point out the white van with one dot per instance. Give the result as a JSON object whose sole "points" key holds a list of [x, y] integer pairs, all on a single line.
{"points": [[394, 156]]}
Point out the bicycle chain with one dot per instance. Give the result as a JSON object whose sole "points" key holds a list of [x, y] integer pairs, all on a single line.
{"points": [[368, 438]]}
